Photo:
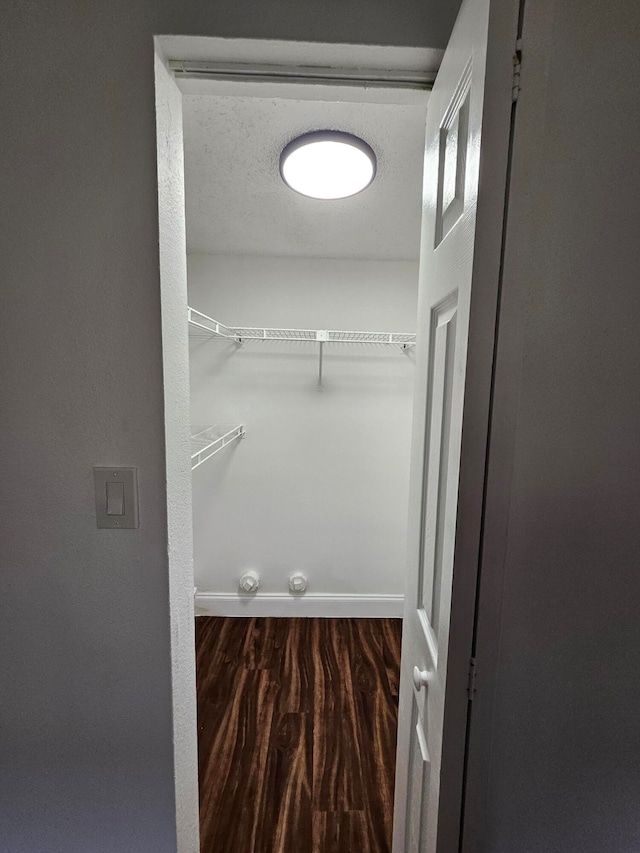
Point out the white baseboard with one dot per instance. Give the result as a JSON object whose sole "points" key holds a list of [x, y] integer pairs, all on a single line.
{"points": [[310, 604]]}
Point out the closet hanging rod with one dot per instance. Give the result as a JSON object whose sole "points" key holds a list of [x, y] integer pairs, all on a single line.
{"points": [[239, 334]]}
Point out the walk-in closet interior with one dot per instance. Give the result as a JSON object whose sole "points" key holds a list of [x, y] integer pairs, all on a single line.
{"points": [[302, 322], [310, 372]]}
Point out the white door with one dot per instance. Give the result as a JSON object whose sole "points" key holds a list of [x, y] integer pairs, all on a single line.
{"points": [[447, 272]]}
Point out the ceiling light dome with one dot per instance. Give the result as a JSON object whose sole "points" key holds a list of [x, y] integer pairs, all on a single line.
{"points": [[328, 164]]}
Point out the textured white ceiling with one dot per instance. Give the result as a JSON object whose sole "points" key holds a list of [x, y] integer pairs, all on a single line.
{"points": [[236, 201]]}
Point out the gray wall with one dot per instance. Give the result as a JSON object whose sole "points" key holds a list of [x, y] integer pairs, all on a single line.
{"points": [[561, 547], [86, 761]]}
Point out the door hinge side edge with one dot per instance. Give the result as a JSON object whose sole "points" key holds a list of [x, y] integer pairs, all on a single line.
{"points": [[471, 682], [517, 67]]}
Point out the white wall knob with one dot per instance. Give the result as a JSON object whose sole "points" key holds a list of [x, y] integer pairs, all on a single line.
{"points": [[298, 582], [249, 582]]}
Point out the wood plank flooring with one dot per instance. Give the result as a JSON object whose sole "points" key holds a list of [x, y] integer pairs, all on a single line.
{"points": [[297, 732]]}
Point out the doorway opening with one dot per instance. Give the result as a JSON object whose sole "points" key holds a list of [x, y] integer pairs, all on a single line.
{"points": [[300, 433], [301, 425]]}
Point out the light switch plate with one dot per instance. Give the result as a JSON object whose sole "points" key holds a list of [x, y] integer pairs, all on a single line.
{"points": [[111, 510]]}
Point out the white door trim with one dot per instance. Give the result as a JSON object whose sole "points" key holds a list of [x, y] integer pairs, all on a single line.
{"points": [[366, 63], [301, 70], [175, 366]]}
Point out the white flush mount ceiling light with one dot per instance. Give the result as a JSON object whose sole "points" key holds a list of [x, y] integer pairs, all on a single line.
{"points": [[328, 164]]}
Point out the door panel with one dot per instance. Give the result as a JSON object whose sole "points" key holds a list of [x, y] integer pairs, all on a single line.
{"points": [[439, 395], [451, 175], [454, 141], [420, 765]]}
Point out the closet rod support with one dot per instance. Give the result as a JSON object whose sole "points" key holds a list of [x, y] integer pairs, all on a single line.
{"points": [[320, 387]]}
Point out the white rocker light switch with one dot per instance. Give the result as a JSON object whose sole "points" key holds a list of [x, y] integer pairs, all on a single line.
{"points": [[116, 497]]}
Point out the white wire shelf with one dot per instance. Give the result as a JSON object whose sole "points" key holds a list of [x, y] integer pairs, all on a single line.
{"points": [[206, 326], [201, 325], [211, 440]]}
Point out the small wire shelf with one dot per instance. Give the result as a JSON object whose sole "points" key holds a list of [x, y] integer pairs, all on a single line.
{"points": [[211, 440]]}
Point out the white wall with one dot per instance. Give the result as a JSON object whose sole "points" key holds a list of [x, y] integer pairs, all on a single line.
{"points": [[555, 719], [86, 759], [320, 483]]}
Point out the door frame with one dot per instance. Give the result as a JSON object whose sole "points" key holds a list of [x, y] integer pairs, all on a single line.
{"points": [[463, 682], [254, 54], [253, 57], [479, 447]]}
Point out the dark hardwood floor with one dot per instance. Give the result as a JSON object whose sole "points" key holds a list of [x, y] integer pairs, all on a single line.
{"points": [[297, 730]]}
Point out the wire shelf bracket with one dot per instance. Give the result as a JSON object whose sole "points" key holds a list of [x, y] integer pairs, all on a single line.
{"points": [[201, 325], [208, 442]]}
